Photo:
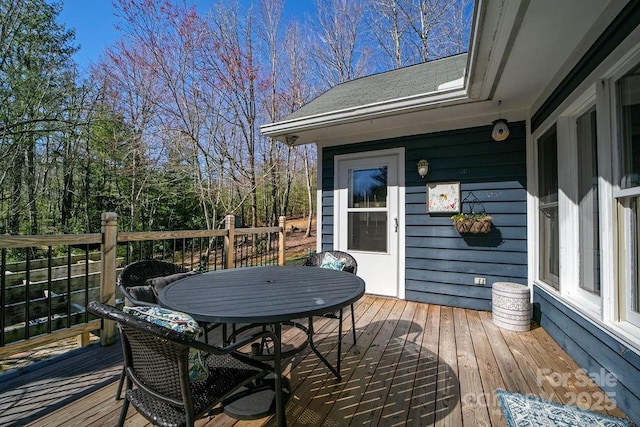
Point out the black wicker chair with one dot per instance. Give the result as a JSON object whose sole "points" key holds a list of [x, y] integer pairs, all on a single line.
{"points": [[351, 266], [140, 283], [134, 279], [156, 361]]}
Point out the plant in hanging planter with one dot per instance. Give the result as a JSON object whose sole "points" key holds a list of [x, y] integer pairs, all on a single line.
{"points": [[474, 223]]}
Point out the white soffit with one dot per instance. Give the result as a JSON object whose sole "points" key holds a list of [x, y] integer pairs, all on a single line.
{"points": [[549, 42]]}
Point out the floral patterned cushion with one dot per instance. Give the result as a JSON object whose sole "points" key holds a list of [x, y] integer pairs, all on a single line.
{"points": [[332, 262], [179, 322]]}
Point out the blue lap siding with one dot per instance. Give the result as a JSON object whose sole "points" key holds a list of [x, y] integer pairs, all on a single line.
{"points": [[613, 365], [441, 264]]}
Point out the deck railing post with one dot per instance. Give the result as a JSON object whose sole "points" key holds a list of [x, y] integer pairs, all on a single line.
{"points": [[108, 273], [229, 249], [282, 224]]}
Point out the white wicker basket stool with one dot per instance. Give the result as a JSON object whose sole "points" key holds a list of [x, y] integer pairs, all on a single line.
{"points": [[511, 306]]}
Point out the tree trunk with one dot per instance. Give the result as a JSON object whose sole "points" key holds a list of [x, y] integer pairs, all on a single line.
{"points": [[307, 174]]}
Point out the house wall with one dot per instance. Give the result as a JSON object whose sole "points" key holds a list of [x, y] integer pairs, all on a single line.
{"points": [[594, 341], [610, 363], [441, 264]]}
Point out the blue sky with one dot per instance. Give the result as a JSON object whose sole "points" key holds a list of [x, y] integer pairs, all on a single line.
{"points": [[94, 22]]}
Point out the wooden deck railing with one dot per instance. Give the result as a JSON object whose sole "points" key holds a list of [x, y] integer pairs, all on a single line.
{"points": [[43, 300]]}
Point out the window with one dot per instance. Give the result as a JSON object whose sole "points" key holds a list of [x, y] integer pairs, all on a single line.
{"points": [[548, 207], [629, 121], [367, 210], [628, 197], [588, 203]]}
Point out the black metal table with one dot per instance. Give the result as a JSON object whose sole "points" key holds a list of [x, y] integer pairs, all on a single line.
{"points": [[271, 295]]}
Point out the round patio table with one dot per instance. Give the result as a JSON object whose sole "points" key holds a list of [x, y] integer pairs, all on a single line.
{"points": [[272, 295], [262, 294]]}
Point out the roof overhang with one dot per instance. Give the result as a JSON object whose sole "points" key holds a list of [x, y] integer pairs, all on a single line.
{"points": [[300, 127], [519, 49]]}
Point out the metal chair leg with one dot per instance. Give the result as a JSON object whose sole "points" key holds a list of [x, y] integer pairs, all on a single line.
{"points": [[339, 342], [123, 412], [353, 324], [120, 384]]}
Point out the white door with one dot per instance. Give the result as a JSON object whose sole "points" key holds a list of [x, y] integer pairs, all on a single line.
{"points": [[367, 220]]}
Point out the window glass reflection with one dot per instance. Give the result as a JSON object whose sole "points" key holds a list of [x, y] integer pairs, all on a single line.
{"points": [[368, 231], [369, 188], [629, 110]]}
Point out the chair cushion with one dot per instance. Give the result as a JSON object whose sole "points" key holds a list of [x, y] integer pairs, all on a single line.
{"points": [[142, 293], [332, 262], [179, 322], [158, 283]]}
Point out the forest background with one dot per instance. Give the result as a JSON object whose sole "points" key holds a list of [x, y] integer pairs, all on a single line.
{"points": [[164, 128]]}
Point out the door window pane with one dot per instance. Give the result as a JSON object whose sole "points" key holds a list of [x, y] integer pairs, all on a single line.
{"points": [[367, 213], [369, 188], [588, 203], [368, 231], [548, 206], [629, 111]]}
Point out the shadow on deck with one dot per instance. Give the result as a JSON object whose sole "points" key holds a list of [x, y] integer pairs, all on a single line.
{"points": [[413, 364]]}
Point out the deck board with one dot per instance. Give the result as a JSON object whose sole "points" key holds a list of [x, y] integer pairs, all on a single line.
{"points": [[422, 408], [468, 374], [413, 364]]}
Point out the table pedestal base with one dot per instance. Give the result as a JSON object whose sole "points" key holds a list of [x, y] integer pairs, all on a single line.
{"points": [[258, 402]]}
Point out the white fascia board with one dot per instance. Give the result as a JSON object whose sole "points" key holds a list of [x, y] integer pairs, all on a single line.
{"points": [[364, 112]]}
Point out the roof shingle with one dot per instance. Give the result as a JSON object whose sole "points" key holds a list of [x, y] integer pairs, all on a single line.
{"points": [[392, 85]]}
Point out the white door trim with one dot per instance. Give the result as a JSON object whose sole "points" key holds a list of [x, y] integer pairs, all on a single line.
{"points": [[399, 153]]}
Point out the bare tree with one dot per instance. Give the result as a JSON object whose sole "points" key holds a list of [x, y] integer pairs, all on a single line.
{"points": [[130, 89], [388, 27], [234, 64], [269, 30], [299, 91], [426, 19], [340, 51], [456, 30]]}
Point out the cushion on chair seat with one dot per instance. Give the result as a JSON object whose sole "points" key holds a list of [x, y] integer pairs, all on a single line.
{"points": [[141, 293], [179, 322], [332, 262], [158, 283]]}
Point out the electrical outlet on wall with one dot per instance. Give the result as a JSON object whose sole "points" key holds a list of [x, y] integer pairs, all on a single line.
{"points": [[480, 280]]}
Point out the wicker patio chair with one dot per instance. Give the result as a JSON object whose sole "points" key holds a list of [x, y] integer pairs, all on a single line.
{"points": [[134, 280], [140, 283], [351, 266], [156, 361]]}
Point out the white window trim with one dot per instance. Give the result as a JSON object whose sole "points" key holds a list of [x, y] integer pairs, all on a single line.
{"points": [[319, 207], [611, 318], [608, 222], [533, 223], [622, 315], [569, 209], [628, 256]]}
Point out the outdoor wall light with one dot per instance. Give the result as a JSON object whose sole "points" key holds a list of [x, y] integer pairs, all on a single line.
{"points": [[500, 130], [423, 168], [290, 139]]}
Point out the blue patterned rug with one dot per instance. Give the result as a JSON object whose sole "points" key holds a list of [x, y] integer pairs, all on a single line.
{"points": [[520, 411]]}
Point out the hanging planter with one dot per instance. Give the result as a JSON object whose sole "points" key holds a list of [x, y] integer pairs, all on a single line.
{"points": [[471, 223], [475, 220]]}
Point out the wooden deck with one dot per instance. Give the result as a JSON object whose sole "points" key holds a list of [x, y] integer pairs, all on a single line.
{"points": [[413, 364]]}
